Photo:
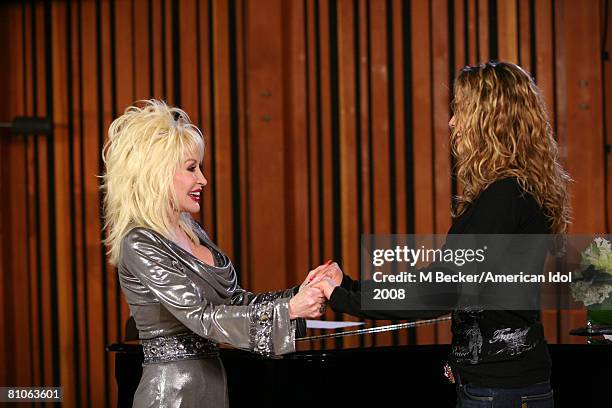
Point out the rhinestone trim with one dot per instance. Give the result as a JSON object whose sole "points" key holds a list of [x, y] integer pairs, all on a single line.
{"points": [[261, 316], [185, 346]]}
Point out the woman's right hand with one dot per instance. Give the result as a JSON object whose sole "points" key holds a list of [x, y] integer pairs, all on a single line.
{"points": [[308, 303]]}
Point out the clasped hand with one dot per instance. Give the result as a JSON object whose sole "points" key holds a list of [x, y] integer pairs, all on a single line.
{"points": [[315, 291]]}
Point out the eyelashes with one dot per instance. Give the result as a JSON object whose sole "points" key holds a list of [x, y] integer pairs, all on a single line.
{"points": [[193, 169]]}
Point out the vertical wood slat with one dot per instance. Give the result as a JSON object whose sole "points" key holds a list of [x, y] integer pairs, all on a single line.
{"points": [[13, 168], [399, 156], [380, 127], [441, 151], [205, 65], [483, 31], [140, 52], [222, 132], [82, 389], [264, 103], [607, 78], [125, 94], [106, 111], [581, 41], [5, 323], [41, 187], [93, 273], [545, 67], [243, 227], [507, 29], [347, 56], [157, 62], [459, 35], [85, 123], [168, 47], [324, 136], [524, 33], [296, 131], [295, 113], [188, 59], [31, 222], [422, 129], [312, 67], [63, 234], [471, 11], [365, 137], [4, 222]]}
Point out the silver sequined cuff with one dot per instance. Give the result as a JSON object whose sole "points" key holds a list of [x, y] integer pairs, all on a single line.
{"points": [[261, 316]]}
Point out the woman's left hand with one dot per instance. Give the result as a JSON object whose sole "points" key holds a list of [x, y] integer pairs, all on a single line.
{"points": [[315, 273], [327, 270]]}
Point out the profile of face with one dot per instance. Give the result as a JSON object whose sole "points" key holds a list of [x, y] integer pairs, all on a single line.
{"points": [[188, 183]]}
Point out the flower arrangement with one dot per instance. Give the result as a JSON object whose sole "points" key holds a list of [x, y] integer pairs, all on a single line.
{"points": [[593, 283]]}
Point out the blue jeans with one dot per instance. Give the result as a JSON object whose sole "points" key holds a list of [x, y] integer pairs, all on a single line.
{"points": [[538, 395]]}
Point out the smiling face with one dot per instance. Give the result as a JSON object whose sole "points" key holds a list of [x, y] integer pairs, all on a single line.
{"points": [[188, 183]]}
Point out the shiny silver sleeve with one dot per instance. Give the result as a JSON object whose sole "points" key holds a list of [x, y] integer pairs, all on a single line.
{"points": [[263, 327], [243, 297]]}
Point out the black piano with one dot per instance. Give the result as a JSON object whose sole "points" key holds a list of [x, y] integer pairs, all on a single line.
{"points": [[402, 376]]}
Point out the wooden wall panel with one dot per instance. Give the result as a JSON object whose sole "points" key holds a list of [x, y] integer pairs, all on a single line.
{"points": [[264, 104], [607, 97], [348, 54], [13, 189], [92, 119], [544, 73], [323, 120], [581, 84], [61, 141], [204, 29], [295, 112], [483, 36], [441, 92], [507, 30], [381, 173], [422, 137], [221, 134]]}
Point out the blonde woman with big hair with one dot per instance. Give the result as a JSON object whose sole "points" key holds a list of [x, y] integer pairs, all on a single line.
{"points": [[181, 288], [508, 167]]}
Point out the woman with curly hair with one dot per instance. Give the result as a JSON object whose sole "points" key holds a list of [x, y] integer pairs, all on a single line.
{"points": [[181, 288], [512, 183]]}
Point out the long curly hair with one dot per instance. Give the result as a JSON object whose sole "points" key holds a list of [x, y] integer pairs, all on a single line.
{"points": [[145, 147], [501, 129]]}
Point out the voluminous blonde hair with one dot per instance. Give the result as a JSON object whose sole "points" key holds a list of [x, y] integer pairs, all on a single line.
{"points": [[145, 147], [501, 129]]}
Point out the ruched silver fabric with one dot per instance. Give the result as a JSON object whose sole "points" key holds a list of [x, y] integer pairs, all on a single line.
{"points": [[170, 291]]}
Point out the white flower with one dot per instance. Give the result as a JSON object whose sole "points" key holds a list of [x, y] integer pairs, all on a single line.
{"points": [[590, 294], [599, 255], [603, 244]]}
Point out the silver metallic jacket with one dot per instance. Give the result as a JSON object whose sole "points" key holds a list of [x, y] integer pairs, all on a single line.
{"points": [[170, 292]]}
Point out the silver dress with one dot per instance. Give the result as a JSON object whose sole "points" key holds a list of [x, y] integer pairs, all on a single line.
{"points": [[182, 308]]}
